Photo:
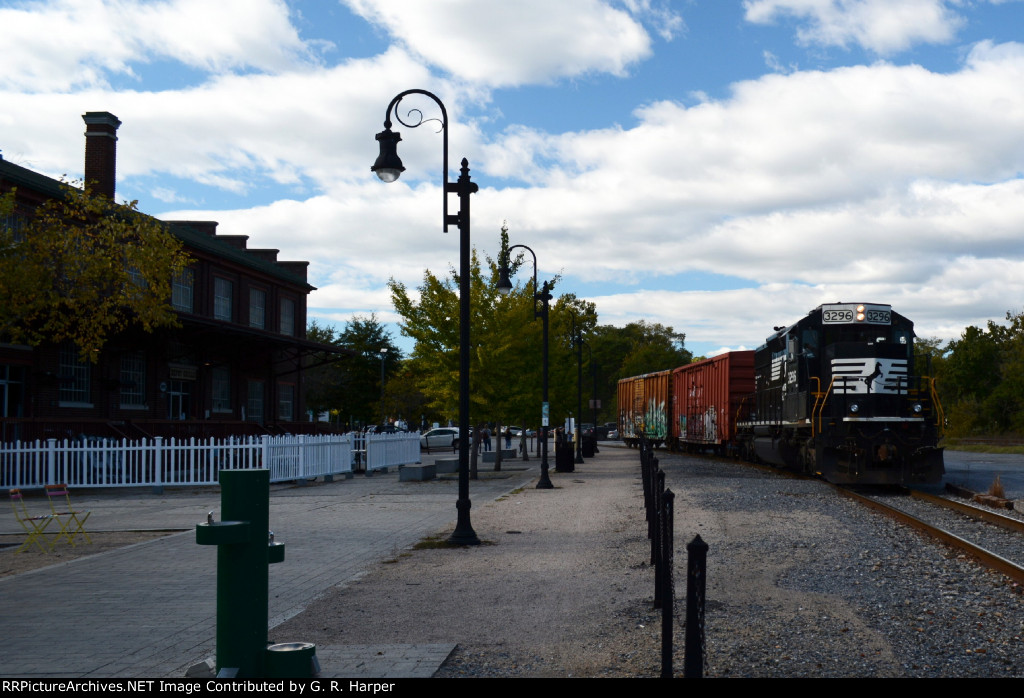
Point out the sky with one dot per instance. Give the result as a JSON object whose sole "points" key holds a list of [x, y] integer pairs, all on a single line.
{"points": [[718, 166]]}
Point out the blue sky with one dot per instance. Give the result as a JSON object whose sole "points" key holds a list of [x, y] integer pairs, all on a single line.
{"points": [[720, 167]]}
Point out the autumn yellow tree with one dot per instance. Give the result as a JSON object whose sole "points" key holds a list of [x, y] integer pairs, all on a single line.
{"points": [[81, 268]]}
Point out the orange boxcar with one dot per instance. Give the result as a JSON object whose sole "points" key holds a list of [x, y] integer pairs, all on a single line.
{"points": [[644, 403], [706, 397]]}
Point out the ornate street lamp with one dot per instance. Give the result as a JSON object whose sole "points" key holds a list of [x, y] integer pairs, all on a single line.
{"points": [[577, 339], [388, 168], [544, 296]]}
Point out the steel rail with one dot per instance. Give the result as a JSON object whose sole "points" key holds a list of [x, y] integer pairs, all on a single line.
{"points": [[991, 517], [987, 558]]}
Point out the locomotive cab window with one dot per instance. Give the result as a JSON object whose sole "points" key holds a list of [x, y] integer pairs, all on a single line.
{"points": [[810, 340]]}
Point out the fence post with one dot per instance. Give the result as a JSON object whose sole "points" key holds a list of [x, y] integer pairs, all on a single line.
{"points": [[158, 464], [51, 462], [696, 581], [668, 580], [656, 544]]}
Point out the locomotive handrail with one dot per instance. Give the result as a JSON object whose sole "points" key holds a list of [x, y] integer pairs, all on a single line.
{"points": [[940, 416], [819, 404]]}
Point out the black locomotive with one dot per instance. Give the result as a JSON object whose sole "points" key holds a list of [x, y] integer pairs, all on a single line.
{"points": [[836, 394]]}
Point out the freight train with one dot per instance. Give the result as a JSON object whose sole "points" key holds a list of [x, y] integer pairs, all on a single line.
{"points": [[834, 394]]}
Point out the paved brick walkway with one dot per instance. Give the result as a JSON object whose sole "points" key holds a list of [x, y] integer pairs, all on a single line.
{"points": [[149, 610]]}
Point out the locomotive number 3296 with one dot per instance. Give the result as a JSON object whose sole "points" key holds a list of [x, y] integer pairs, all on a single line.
{"points": [[837, 315], [842, 314]]}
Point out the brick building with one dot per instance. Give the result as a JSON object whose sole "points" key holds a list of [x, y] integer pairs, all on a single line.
{"points": [[235, 366]]}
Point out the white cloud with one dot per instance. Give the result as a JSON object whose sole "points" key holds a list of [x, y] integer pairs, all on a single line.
{"points": [[70, 44], [237, 132], [500, 43], [881, 183], [788, 163], [881, 26], [743, 318]]}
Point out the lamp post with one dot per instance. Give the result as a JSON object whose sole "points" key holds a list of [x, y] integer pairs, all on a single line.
{"points": [[577, 339], [544, 296], [388, 168], [383, 355]]}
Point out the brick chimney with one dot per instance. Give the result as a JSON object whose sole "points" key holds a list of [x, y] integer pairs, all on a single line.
{"points": [[101, 152]]}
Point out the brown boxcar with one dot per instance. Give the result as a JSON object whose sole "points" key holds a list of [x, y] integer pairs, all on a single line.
{"points": [[706, 397], [644, 403]]}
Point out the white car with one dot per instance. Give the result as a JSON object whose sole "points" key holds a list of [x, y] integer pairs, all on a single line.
{"points": [[440, 438]]}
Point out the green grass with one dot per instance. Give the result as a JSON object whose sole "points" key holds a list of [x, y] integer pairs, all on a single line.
{"points": [[440, 543], [502, 498], [955, 445]]}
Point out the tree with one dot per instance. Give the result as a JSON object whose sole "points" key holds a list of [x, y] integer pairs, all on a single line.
{"points": [[633, 350], [982, 379], [81, 268], [351, 386], [324, 379], [505, 357], [569, 312]]}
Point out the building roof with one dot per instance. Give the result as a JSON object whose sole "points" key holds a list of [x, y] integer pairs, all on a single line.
{"points": [[24, 178]]}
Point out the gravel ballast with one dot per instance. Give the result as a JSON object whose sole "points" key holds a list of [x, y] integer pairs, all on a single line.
{"points": [[800, 583]]}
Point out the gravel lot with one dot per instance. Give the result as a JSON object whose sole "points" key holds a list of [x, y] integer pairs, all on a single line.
{"points": [[801, 583], [810, 584]]}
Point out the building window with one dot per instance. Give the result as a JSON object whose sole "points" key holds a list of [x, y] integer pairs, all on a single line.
{"points": [[133, 379], [257, 308], [13, 224], [223, 300], [288, 317], [286, 402], [74, 377], [137, 283], [254, 413], [181, 290], [221, 396]]}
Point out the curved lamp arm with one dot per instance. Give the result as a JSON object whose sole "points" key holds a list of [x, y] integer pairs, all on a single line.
{"points": [[388, 165], [505, 284]]}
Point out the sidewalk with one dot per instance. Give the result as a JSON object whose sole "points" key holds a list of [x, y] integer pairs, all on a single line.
{"points": [[148, 610]]}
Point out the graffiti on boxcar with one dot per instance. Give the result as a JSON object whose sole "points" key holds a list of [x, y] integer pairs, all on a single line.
{"points": [[656, 420]]}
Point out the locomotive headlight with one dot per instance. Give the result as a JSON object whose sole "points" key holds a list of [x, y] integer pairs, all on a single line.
{"points": [[918, 408], [854, 408]]}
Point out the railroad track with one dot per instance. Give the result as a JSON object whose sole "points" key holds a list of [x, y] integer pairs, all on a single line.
{"points": [[995, 540]]}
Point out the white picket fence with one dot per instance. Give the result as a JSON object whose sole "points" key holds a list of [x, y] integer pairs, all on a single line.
{"points": [[90, 462]]}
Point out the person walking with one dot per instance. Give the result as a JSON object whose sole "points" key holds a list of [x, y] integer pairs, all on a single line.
{"points": [[487, 438]]}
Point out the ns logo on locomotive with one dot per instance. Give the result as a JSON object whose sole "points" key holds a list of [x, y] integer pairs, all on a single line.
{"points": [[837, 394]]}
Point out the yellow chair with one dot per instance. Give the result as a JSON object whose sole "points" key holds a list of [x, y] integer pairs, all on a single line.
{"points": [[35, 526], [74, 518]]}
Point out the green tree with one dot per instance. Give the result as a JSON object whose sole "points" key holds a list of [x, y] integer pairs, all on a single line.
{"points": [[81, 268], [350, 386], [324, 377], [505, 356], [638, 348], [404, 399], [982, 379], [567, 313]]}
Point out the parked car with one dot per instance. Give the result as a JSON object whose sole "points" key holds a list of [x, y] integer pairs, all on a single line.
{"points": [[517, 431], [441, 438]]}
